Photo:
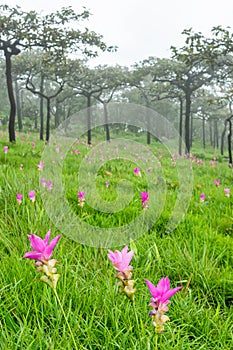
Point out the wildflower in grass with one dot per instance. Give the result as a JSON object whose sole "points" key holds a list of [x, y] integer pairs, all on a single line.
{"points": [[159, 301], [81, 198], [202, 197], [19, 198], [43, 182], [107, 184], [49, 185], [145, 198], [5, 149], [32, 144], [121, 261], [217, 182], [230, 165], [137, 172], [21, 167], [227, 192], [42, 253], [40, 166], [32, 195]]}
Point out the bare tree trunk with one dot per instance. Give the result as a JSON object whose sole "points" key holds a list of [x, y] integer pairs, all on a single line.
{"points": [[223, 136], [18, 107], [89, 119], [229, 140], [187, 123], [181, 126], [106, 122], [203, 132], [48, 120], [41, 108], [10, 91]]}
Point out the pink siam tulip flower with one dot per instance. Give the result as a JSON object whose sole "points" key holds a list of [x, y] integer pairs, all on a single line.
{"points": [[19, 198], [43, 182], [5, 149], [145, 198], [202, 197], [121, 260], [42, 253], [217, 182], [107, 184], [81, 198], [32, 144], [43, 250], [40, 166], [137, 172], [32, 195], [49, 185], [227, 192], [159, 301]]}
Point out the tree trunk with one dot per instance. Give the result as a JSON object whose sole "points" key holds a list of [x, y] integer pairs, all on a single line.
{"points": [[41, 108], [57, 114], [106, 122], [18, 107], [211, 134], [223, 136], [89, 119], [48, 120], [10, 91], [229, 140], [203, 132], [181, 126], [148, 135], [215, 133], [187, 122]]}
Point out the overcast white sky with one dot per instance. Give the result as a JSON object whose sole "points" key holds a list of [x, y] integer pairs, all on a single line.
{"points": [[141, 28]]}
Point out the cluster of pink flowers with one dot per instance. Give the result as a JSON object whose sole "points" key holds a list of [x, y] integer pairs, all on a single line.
{"points": [[31, 195], [47, 184], [160, 294]]}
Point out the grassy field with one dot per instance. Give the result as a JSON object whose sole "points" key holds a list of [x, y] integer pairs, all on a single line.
{"points": [[197, 254]]}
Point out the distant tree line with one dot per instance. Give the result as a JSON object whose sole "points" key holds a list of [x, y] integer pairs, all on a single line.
{"points": [[44, 85]]}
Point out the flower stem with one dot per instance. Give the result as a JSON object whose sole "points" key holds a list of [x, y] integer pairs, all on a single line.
{"points": [[63, 312], [156, 341]]}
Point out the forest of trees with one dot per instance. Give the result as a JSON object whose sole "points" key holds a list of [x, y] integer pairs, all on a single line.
{"points": [[41, 84]]}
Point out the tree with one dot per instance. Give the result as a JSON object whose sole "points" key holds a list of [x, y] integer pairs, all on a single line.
{"points": [[83, 81], [52, 33], [187, 72], [109, 79]]}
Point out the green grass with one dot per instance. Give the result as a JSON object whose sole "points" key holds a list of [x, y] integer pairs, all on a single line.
{"points": [[198, 255]]}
